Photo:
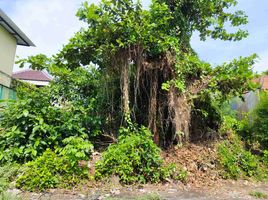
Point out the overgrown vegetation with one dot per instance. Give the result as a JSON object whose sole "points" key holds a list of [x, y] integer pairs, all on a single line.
{"points": [[7, 196], [50, 127], [8, 174], [257, 131], [134, 159], [50, 171], [243, 153], [237, 161], [149, 73], [43, 117], [132, 65]]}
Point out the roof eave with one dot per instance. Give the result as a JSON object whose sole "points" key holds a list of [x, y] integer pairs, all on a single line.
{"points": [[17, 31]]}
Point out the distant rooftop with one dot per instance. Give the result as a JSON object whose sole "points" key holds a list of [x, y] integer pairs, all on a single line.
{"points": [[263, 81], [32, 75], [14, 30]]}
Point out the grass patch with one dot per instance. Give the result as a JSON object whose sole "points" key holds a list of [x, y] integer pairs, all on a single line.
{"points": [[149, 197], [8, 196], [259, 195], [8, 173], [143, 197]]}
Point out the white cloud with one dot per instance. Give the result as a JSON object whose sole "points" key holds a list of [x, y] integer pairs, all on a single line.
{"points": [[262, 64], [49, 24]]}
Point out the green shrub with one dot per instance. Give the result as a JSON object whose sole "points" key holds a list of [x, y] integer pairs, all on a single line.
{"points": [[8, 173], [236, 161], [32, 124], [176, 172], [229, 161], [49, 171], [8, 196], [230, 124], [259, 127], [76, 149], [134, 159], [265, 157]]}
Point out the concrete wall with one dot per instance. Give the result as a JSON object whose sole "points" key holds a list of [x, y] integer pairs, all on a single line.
{"points": [[251, 100], [8, 45]]}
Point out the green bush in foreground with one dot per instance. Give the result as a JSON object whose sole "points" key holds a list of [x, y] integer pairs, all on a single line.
{"points": [[8, 174], [134, 159], [76, 149], [49, 171], [236, 161]]}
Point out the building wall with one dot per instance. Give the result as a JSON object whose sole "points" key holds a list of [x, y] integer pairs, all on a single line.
{"points": [[8, 45]]}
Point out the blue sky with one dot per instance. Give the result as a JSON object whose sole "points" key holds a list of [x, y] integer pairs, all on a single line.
{"points": [[50, 23]]}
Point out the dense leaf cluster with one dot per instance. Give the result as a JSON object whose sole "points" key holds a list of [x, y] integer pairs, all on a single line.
{"points": [[237, 161], [258, 129], [44, 117], [49, 171], [134, 159]]}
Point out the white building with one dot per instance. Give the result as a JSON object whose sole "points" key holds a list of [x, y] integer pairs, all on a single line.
{"points": [[10, 37]]}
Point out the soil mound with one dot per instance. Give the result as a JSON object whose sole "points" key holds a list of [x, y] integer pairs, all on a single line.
{"points": [[200, 160]]}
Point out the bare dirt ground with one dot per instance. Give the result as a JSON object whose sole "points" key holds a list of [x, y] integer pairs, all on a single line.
{"points": [[225, 190]]}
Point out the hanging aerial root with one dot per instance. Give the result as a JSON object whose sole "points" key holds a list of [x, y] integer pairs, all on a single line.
{"points": [[152, 113]]}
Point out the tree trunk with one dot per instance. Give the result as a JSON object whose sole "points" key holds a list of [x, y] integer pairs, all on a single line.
{"points": [[180, 115], [125, 87]]}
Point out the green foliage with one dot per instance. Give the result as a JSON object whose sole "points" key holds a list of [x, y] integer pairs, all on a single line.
{"points": [[8, 173], [153, 47], [176, 173], [76, 149], [206, 116], [230, 125], [32, 124], [265, 72], [8, 196], [153, 42], [37, 62], [165, 25], [134, 159], [49, 171], [265, 157], [258, 130], [236, 161], [43, 117], [259, 195], [233, 79], [208, 18]]}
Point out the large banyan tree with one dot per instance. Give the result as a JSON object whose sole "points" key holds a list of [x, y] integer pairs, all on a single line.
{"points": [[149, 72]]}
